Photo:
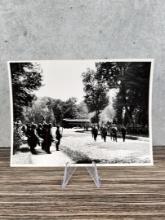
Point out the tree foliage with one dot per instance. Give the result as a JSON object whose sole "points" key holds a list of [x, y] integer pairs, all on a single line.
{"points": [[132, 81], [82, 110], [54, 110], [95, 97], [39, 111], [70, 109], [26, 77]]}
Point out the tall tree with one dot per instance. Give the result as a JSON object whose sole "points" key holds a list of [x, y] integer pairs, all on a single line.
{"points": [[26, 77], [96, 97]]}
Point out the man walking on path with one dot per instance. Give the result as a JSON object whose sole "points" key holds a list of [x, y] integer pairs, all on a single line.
{"points": [[47, 138], [92, 131], [123, 131], [95, 133], [104, 133], [58, 137], [33, 138], [114, 133]]}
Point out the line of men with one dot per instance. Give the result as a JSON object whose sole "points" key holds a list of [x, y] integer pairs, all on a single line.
{"points": [[41, 135], [113, 131]]}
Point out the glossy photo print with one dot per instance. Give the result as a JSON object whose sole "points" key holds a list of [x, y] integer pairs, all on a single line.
{"points": [[81, 111]]}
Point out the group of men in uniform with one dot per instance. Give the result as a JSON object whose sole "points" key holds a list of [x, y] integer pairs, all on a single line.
{"points": [[113, 131], [41, 135]]}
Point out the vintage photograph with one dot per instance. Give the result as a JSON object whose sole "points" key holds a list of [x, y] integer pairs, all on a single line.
{"points": [[81, 111]]}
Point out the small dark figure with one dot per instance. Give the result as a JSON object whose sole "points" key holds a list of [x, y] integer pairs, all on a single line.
{"points": [[92, 129], [32, 138], [44, 136], [47, 138], [123, 131], [40, 130], [95, 133], [111, 133], [104, 133], [114, 133], [58, 137]]}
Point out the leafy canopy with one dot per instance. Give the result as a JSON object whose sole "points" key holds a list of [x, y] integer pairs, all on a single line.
{"points": [[26, 77]]}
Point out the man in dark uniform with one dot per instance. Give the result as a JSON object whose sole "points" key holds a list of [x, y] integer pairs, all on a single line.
{"points": [[114, 133], [33, 138], [104, 133], [123, 132], [92, 129], [58, 137], [40, 130], [47, 138], [95, 133]]}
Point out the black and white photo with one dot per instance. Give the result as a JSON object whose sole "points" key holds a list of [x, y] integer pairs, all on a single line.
{"points": [[80, 111]]}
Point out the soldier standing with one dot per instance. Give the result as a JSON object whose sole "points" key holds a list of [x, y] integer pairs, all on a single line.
{"points": [[47, 138], [95, 133], [114, 133], [32, 139], [123, 131], [92, 131], [104, 133], [40, 130], [58, 137]]}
